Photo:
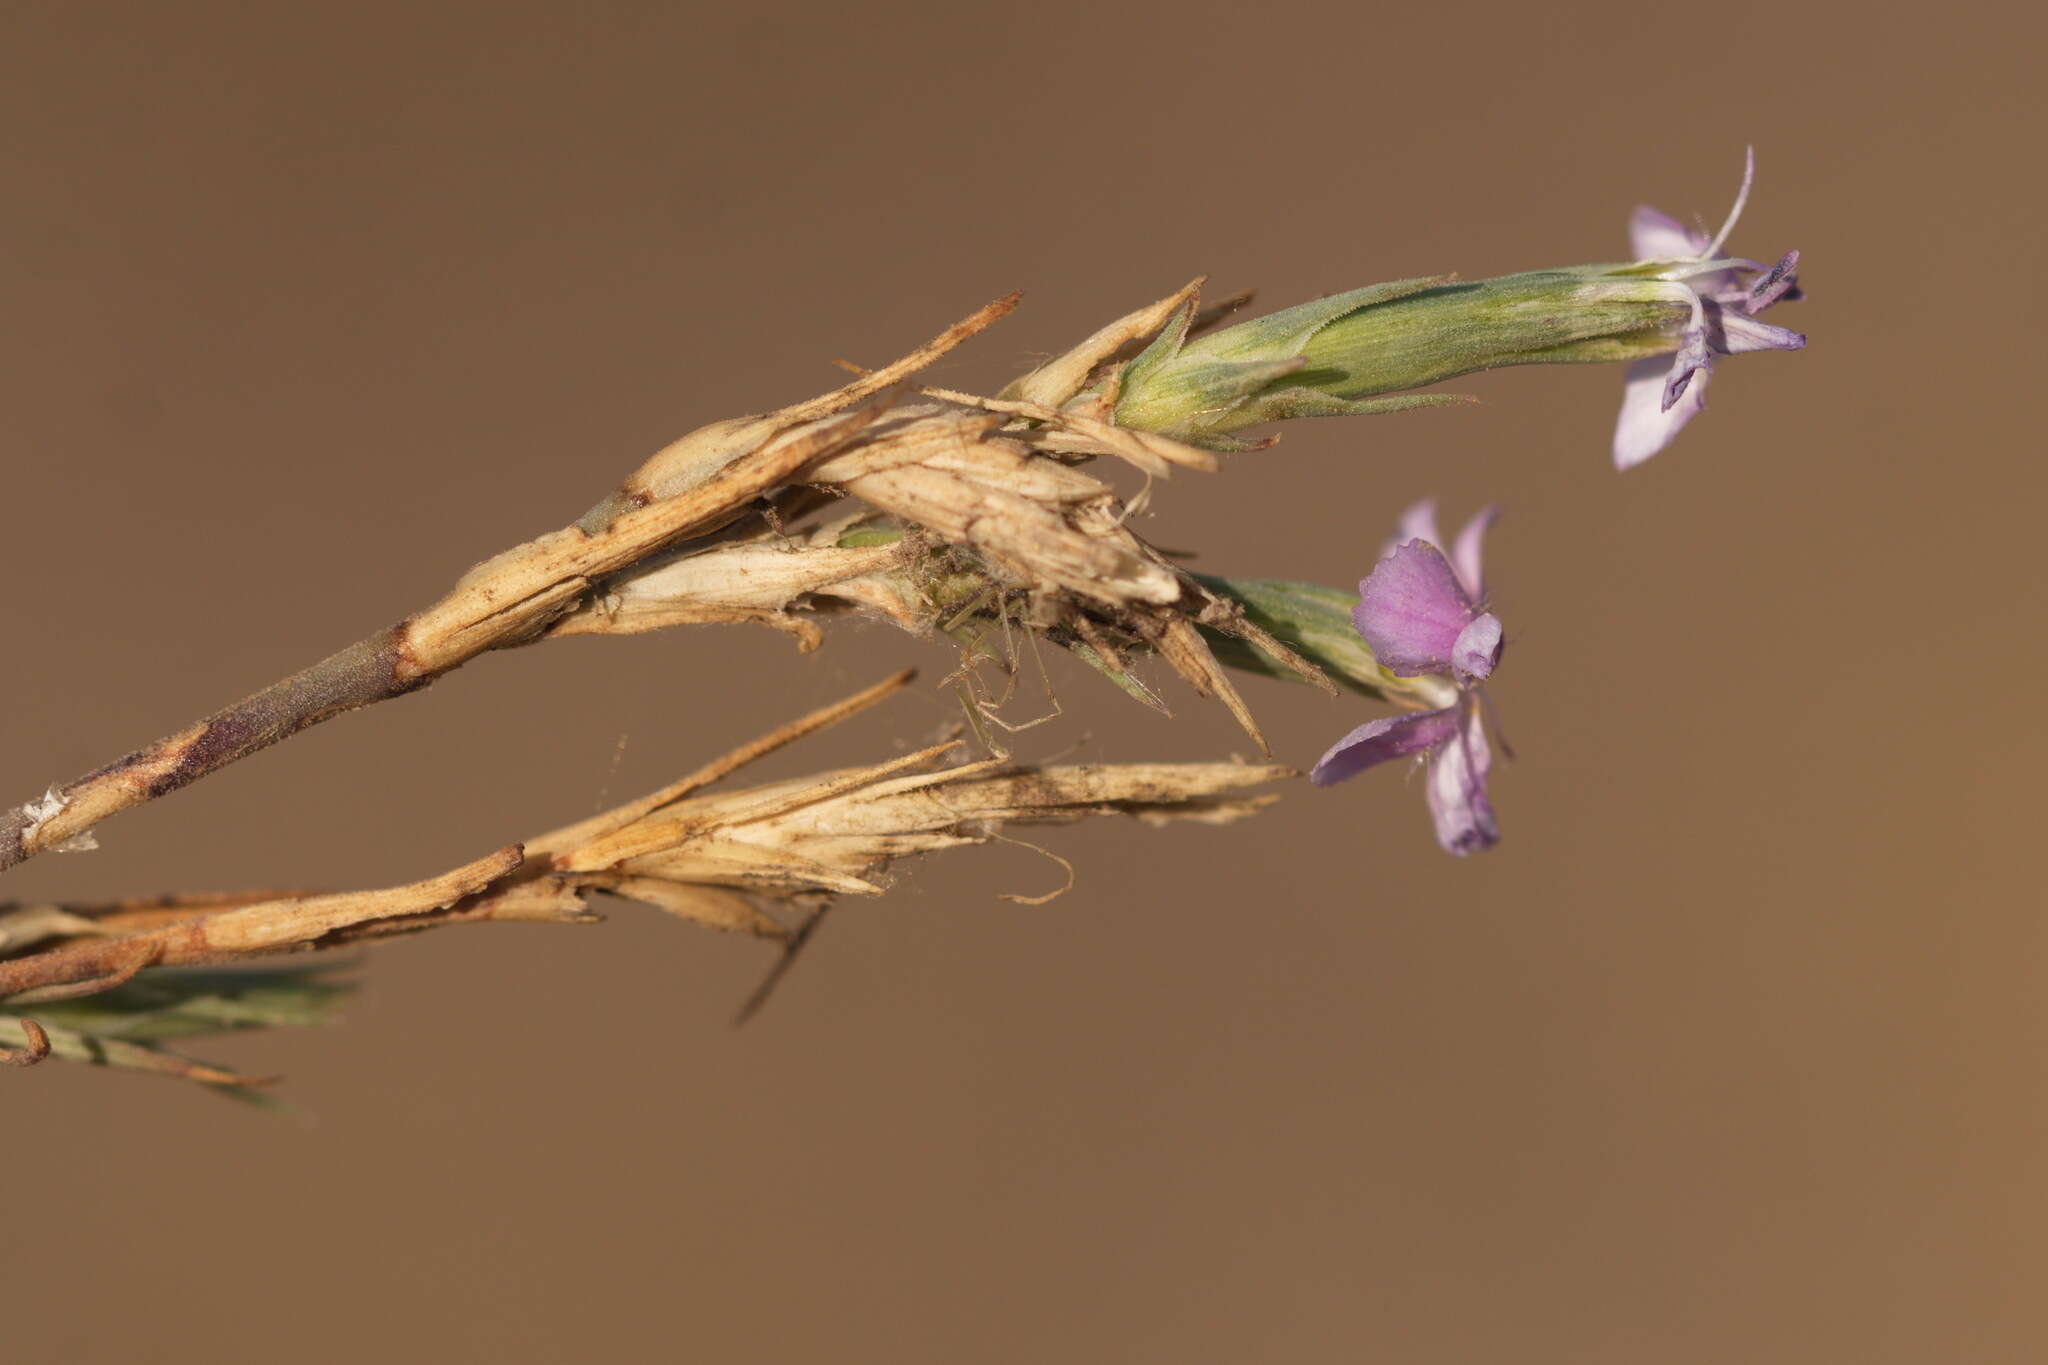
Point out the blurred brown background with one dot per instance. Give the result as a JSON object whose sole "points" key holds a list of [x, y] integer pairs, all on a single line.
{"points": [[1734, 1051]]}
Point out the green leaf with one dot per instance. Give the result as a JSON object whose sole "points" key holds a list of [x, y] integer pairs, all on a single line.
{"points": [[187, 1004], [69, 1045], [119, 1028]]}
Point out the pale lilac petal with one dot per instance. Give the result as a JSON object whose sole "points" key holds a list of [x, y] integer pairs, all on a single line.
{"points": [[1714, 275], [1465, 555], [1411, 610], [1417, 523], [1456, 790], [1477, 649], [1387, 738], [1735, 332], [1646, 426], [1655, 236]]}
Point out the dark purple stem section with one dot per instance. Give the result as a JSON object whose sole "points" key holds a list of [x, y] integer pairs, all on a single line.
{"points": [[368, 671]]}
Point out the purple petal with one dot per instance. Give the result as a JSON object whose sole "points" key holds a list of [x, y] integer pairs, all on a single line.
{"points": [[1456, 790], [1417, 523], [1655, 236], [1465, 554], [1736, 332], [1411, 610], [1477, 649], [1383, 739], [1646, 426]]}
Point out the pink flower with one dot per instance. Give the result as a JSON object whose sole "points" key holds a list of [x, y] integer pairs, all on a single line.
{"points": [[1419, 611]]}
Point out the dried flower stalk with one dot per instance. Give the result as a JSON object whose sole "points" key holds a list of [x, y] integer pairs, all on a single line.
{"points": [[506, 600], [728, 861]]}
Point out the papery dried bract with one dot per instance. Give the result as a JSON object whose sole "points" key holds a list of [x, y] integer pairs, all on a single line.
{"points": [[836, 833]]}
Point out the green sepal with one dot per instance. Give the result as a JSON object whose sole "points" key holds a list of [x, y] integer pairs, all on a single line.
{"points": [[1288, 403], [1284, 333], [1308, 618], [1204, 395], [1129, 683], [1162, 348]]}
